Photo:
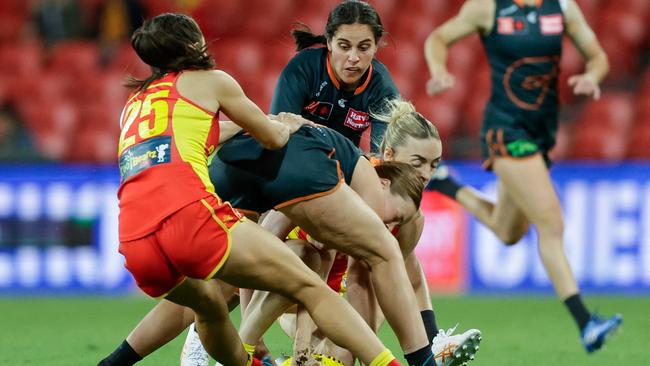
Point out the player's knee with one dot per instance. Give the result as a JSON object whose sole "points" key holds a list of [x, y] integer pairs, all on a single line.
{"points": [[208, 305], [308, 288], [295, 283], [512, 235], [385, 250], [550, 223]]}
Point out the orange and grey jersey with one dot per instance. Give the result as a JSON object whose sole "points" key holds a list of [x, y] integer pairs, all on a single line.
{"points": [[524, 50], [308, 86], [163, 154]]}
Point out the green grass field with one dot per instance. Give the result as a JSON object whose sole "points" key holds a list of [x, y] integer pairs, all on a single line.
{"points": [[516, 331]]}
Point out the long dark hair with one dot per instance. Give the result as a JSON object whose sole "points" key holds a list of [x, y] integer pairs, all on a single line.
{"points": [[167, 43], [347, 12]]}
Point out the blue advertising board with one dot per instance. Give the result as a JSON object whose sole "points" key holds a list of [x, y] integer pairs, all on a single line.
{"points": [[607, 232], [58, 232]]}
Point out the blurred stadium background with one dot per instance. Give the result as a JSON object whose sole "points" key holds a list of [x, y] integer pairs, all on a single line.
{"points": [[62, 63]]}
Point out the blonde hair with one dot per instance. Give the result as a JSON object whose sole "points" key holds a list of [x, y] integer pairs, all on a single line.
{"points": [[403, 121]]}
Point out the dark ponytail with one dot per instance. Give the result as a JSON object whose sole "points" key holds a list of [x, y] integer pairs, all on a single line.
{"points": [[304, 37]]}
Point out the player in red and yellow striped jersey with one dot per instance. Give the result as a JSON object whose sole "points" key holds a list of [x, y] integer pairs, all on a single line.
{"points": [[175, 232]]}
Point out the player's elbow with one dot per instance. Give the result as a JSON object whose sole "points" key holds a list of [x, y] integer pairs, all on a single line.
{"points": [[605, 62], [431, 41], [437, 38]]}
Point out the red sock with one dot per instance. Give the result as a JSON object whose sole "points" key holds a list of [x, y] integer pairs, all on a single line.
{"points": [[256, 362]]}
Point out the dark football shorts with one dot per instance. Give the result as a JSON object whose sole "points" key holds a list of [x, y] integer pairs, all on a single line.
{"points": [[516, 135], [313, 163]]}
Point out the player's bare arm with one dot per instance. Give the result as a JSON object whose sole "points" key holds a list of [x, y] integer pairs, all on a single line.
{"points": [[241, 110], [228, 129], [409, 233], [586, 42], [474, 17]]}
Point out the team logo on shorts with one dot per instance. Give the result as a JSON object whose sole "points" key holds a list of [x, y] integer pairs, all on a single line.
{"points": [[357, 120], [521, 148]]}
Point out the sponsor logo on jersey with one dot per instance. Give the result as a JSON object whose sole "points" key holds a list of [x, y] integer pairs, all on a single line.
{"points": [[551, 24], [512, 25], [357, 120], [530, 91], [144, 155], [505, 25], [322, 110]]}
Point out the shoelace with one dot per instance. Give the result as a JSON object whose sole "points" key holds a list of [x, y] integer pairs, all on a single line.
{"points": [[446, 353], [446, 333]]}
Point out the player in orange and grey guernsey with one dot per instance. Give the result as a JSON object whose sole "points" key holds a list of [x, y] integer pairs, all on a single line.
{"points": [[335, 80], [169, 127], [523, 42], [411, 139]]}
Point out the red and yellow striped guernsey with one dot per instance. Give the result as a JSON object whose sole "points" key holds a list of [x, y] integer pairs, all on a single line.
{"points": [[163, 151]]}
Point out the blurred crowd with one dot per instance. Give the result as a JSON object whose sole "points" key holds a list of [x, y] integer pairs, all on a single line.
{"points": [[62, 63]]}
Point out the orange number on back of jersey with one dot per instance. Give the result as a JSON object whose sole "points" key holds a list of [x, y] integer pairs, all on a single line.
{"points": [[149, 110]]}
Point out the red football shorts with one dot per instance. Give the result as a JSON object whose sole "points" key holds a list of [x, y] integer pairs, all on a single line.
{"points": [[337, 278], [193, 242]]}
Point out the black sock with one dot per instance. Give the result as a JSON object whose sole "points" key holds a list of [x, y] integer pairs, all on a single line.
{"points": [[447, 186], [421, 357], [578, 310], [123, 355], [429, 320]]}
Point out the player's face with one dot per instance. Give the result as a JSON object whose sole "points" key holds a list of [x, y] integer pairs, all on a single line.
{"points": [[397, 209], [352, 49], [422, 154]]}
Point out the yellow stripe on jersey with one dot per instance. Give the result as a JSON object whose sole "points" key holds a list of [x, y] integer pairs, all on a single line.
{"points": [[191, 128], [164, 83]]}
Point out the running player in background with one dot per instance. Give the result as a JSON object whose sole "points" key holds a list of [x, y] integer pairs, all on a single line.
{"points": [[166, 198], [523, 42]]}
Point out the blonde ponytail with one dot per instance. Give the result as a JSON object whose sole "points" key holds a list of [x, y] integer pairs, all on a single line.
{"points": [[403, 121]]}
